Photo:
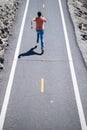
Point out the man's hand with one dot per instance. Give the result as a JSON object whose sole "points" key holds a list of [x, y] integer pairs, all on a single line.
{"points": [[31, 25]]}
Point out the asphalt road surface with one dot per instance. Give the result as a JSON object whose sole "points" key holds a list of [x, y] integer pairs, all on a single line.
{"points": [[48, 91]]}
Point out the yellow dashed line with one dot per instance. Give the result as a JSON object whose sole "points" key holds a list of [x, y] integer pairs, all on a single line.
{"points": [[42, 85], [43, 5]]}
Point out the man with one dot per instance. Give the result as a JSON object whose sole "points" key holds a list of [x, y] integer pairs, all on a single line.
{"points": [[40, 20]]}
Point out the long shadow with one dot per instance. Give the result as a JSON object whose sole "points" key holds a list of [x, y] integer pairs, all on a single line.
{"points": [[30, 52]]}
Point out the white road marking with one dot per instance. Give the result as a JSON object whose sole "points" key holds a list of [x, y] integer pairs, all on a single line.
{"points": [[73, 75], [51, 101], [11, 77]]}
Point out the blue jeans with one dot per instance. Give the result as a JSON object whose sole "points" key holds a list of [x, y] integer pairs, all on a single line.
{"points": [[40, 35]]}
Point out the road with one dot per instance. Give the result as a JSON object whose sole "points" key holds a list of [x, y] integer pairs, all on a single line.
{"points": [[45, 92]]}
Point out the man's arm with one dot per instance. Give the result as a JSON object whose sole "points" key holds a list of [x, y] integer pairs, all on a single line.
{"points": [[33, 20], [44, 19]]}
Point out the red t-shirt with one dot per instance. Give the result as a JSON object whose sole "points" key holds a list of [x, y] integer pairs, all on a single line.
{"points": [[40, 22]]}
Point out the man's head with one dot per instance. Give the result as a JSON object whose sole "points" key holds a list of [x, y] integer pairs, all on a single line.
{"points": [[39, 14]]}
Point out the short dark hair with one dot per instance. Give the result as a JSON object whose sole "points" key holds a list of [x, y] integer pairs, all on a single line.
{"points": [[39, 14]]}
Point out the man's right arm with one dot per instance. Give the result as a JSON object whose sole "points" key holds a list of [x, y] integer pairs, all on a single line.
{"points": [[33, 20]]}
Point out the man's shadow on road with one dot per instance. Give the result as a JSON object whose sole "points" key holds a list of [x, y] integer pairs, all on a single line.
{"points": [[30, 52]]}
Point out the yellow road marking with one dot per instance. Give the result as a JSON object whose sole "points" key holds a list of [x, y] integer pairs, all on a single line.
{"points": [[42, 85], [43, 5]]}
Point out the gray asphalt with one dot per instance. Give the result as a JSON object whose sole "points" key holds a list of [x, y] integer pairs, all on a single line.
{"points": [[56, 108]]}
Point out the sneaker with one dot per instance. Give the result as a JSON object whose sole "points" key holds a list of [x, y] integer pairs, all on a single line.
{"points": [[42, 50], [37, 41]]}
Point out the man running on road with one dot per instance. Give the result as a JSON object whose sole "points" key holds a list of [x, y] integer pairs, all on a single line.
{"points": [[40, 20]]}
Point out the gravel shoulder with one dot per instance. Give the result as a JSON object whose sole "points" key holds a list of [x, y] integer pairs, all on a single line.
{"points": [[8, 10], [78, 13]]}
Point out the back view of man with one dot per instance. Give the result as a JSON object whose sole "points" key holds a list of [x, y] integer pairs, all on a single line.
{"points": [[40, 20]]}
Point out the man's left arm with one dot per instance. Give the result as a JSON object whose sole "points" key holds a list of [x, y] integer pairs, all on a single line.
{"points": [[44, 19]]}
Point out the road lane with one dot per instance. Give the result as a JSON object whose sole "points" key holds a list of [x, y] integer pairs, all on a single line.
{"points": [[56, 108], [80, 68], [11, 77], [73, 74]]}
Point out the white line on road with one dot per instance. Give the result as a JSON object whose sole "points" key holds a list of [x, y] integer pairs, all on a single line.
{"points": [[73, 75], [11, 77]]}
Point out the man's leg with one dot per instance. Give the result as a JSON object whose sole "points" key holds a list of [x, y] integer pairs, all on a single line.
{"points": [[42, 39], [37, 36]]}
